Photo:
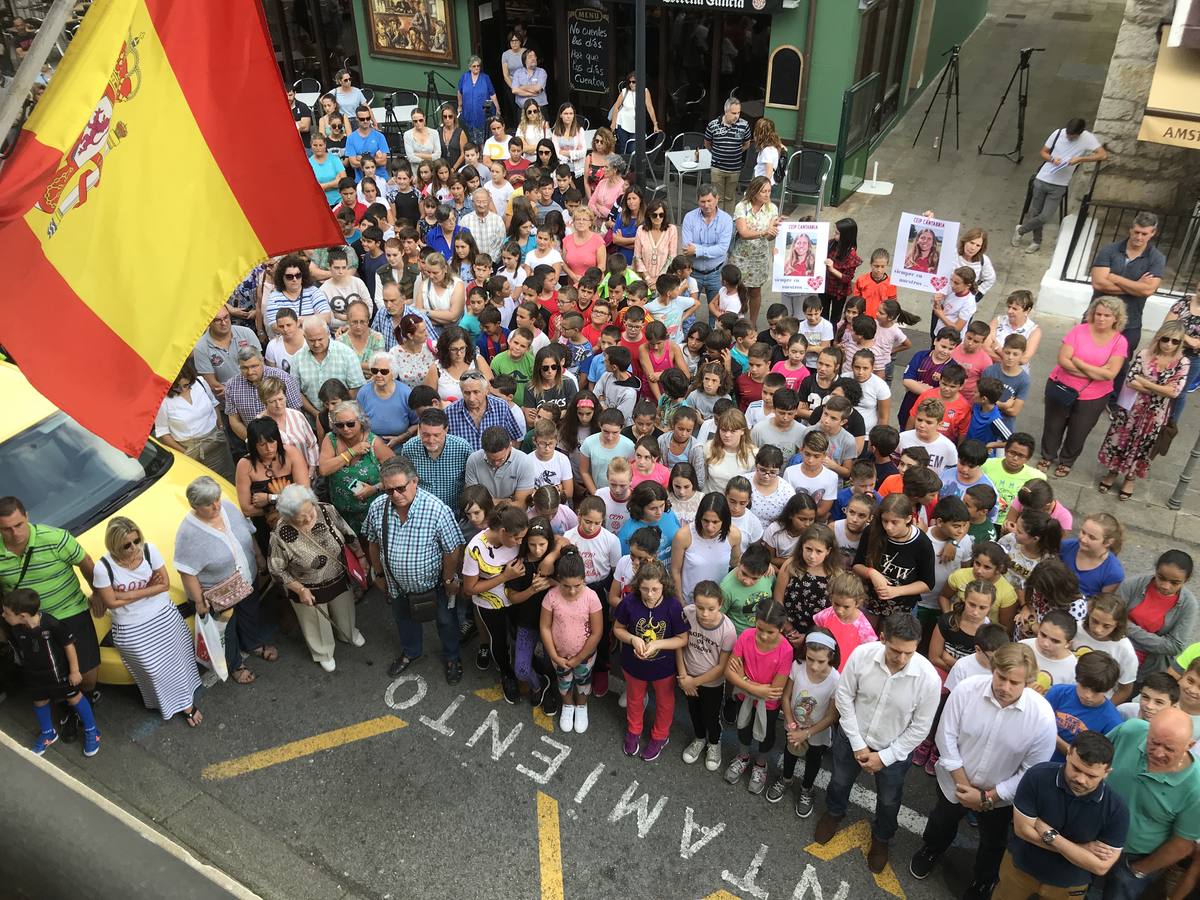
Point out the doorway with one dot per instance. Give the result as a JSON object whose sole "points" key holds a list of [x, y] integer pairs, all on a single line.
{"points": [[882, 47]]}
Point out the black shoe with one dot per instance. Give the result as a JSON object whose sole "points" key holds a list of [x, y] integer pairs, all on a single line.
{"points": [[552, 703], [453, 671], [466, 631], [922, 863], [483, 659], [94, 697], [537, 696], [401, 664], [68, 728], [979, 891], [512, 690]]}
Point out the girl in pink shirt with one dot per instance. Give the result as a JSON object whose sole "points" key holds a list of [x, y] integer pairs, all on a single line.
{"points": [[844, 618], [793, 368], [647, 463], [571, 626], [758, 671]]}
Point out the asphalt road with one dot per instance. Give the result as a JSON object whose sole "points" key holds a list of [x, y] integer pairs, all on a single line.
{"points": [[389, 788]]}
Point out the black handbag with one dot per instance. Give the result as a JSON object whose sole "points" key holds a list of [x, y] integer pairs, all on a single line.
{"points": [[418, 607], [1061, 394]]}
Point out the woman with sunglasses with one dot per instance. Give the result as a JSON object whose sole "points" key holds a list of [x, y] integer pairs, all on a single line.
{"points": [[452, 136], [547, 387], [475, 92], [531, 129], [1156, 377], [421, 144], [628, 220], [656, 242], [622, 117], [384, 401], [153, 639], [545, 155], [456, 356], [350, 458], [347, 96], [294, 289], [595, 164]]}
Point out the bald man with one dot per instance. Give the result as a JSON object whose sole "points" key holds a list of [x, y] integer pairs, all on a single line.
{"points": [[322, 359], [1153, 770]]}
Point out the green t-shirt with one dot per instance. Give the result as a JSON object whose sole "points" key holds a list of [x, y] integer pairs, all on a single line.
{"points": [[1184, 659], [1007, 484], [741, 601], [53, 556], [1161, 804], [521, 370]]}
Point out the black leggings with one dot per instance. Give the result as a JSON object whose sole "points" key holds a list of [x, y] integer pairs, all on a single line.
{"points": [[705, 710], [604, 648], [812, 764], [746, 735], [495, 626]]}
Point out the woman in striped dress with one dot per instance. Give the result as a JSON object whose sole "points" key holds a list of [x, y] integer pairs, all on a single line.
{"points": [[293, 427], [148, 631]]}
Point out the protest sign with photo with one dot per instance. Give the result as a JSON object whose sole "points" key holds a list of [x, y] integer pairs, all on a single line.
{"points": [[800, 251], [926, 253]]}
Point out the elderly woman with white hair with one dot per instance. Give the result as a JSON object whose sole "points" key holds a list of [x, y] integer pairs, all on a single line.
{"points": [[218, 560], [147, 630], [350, 458], [306, 558], [384, 400]]}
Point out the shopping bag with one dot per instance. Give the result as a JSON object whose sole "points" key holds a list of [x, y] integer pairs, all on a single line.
{"points": [[210, 645]]}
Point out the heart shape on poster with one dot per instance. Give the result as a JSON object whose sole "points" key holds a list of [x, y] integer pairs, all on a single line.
{"points": [[814, 282], [938, 282]]}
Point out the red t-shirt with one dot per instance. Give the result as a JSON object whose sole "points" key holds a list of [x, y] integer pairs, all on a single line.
{"points": [[874, 292], [748, 391], [515, 171], [1151, 613], [957, 418], [633, 347], [974, 364]]}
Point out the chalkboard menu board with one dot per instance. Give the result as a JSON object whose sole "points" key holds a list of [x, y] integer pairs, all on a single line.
{"points": [[588, 36]]}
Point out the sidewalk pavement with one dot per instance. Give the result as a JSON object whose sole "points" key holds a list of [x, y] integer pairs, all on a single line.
{"points": [[987, 191]]}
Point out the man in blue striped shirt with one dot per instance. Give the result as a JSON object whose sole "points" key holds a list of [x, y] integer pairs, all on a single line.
{"points": [[727, 138]]}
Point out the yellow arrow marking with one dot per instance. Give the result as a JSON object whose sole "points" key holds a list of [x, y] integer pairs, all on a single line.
{"points": [[327, 740], [722, 895], [549, 847], [491, 695], [543, 720], [857, 836]]}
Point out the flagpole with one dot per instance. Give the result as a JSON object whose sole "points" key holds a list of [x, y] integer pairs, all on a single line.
{"points": [[31, 65]]}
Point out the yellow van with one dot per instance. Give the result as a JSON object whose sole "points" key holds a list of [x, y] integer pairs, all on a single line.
{"points": [[66, 476]]}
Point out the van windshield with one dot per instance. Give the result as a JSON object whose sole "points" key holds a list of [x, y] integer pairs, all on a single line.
{"points": [[68, 477]]}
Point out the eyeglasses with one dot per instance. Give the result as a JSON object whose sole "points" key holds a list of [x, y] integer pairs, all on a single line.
{"points": [[472, 376], [549, 368], [657, 215], [346, 425], [398, 489], [763, 470], [447, 115], [363, 118], [1168, 340], [420, 121], [129, 545], [292, 275], [461, 349], [375, 371]]}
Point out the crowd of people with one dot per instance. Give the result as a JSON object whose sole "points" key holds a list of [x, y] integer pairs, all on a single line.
{"points": [[532, 409]]}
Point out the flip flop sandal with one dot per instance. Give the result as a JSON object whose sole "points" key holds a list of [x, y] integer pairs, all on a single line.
{"points": [[1124, 495], [1045, 464], [1104, 486], [1062, 471], [266, 652], [247, 677], [194, 717]]}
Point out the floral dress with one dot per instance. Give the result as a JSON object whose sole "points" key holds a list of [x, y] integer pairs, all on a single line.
{"points": [[804, 597], [411, 368], [1134, 431], [364, 469], [753, 256]]}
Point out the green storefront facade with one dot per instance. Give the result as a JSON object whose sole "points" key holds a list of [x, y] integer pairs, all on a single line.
{"points": [[838, 72]]}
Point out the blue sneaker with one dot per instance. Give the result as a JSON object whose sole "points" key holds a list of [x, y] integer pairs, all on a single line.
{"points": [[91, 741], [44, 740]]}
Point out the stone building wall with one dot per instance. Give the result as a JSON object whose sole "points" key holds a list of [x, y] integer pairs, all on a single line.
{"points": [[1140, 173]]}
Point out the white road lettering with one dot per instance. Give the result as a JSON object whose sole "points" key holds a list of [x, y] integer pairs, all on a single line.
{"points": [[492, 723], [747, 882], [688, 849], [589, 783], [552, 762], [646, 816], [439, 724], [420, 688], [809, 884]]}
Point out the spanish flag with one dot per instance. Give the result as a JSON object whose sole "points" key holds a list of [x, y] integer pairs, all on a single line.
{"points": [[160, 166]]}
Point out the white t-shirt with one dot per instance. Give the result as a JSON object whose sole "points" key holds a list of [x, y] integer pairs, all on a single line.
{"points": [[500, 193], [340, 296], [847, 544], [942, 452], [964, 668], [277, 354], [600, 553], [1122, 651], [777, 538], [1060, 145], [553, 471], [533, 259], [767, 156], [618, 510], [754, 414], [750, 528], [623, 573], [1061, 671], [728, 301], [815, 334], [874, 389], [123, 579], [671, 315], [810, 701], [822, 486], [942, 571], [956, 307], [487, 560]]}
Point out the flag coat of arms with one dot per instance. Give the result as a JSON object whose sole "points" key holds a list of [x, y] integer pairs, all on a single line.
{"points": [[160, 166]]}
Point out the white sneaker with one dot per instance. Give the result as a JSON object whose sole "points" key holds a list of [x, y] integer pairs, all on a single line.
{"points": [[357, 638], [1033, 248], [566, 718], [1016, 237], [621, 701], [692, 751], [581, 719], [327, 664], [712, 757]]}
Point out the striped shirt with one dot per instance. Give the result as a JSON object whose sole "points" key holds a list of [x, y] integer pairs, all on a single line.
{"points": [[53, 555], [727, 143], [241, 397], [296, 432], [442, 477], [413, 556]]}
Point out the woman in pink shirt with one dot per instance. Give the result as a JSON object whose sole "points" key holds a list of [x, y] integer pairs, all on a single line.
{"points": [[608, 190], [1088, 360], [582, 248]]}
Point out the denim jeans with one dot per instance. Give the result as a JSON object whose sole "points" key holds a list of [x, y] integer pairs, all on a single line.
{"points": [[1119, 883], [412, 633], [1042, 207], [889, 786], [242, 631], [709, 283]]}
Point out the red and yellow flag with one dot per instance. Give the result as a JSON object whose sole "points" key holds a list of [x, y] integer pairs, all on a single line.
{"points": [[160, 166]]}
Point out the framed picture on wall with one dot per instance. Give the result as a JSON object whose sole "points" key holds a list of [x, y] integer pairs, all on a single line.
{"points": [[411, 29]]}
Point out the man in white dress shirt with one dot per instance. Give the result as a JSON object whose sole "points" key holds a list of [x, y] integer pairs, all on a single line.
{"points": [[994, 727], [887, 698]]}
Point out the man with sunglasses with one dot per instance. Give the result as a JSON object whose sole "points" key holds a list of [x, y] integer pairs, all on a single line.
{"points": [[365, 141], [415, 546]]}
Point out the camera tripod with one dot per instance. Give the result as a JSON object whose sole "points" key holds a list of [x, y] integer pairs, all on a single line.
{"points": [[433, 97], [949, 78], [1020, 77]]}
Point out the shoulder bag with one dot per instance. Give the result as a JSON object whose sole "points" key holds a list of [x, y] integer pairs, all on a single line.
{"points": [[354, 569], [420, 607], [229, 592]]}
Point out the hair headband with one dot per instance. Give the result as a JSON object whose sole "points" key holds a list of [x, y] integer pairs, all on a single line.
{"points": [[820, 639]]}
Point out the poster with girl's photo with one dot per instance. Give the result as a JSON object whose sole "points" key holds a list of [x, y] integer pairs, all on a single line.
{"points": [[800, 250], [925, 253]]}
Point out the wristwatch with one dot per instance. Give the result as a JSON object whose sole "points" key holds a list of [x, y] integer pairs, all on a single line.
{"points": [[1049, 835]]}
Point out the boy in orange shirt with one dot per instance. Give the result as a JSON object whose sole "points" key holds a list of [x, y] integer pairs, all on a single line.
{"points": [[957, 417], [876, 285]]}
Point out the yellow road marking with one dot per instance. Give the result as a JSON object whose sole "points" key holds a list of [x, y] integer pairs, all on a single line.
{"points": [[327, 740], [491, 695], [550, 847], [543, 720], [722, 895], [857, 836]]}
